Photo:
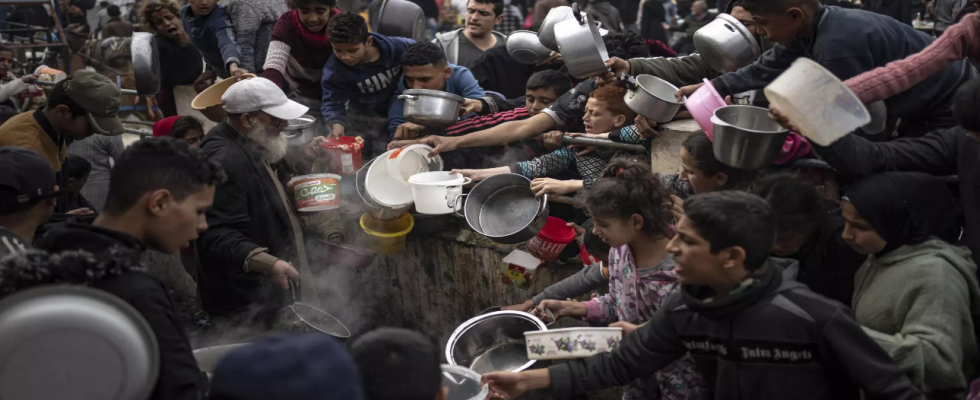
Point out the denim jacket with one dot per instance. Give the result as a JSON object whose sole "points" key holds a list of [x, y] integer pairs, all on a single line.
{"points": [[214, 37]]}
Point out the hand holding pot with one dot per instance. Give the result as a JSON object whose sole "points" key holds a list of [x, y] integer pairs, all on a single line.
{"points": [[439, 144], [553, 58], [628, 328], [543, 186], [478, 174], [236, 72], [523, 307], [408, 130], [281, 272], [687, 91], [560, 309], [618, 65], [645, 127], [782, 120], [471, 106], [336, 131], [505, 385]]}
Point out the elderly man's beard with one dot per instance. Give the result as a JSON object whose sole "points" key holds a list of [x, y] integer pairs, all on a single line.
{"points": [[270, 148]]}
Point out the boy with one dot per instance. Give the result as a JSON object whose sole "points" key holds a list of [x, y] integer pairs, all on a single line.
{"points": [[211, 31], [11, 85], [363, 70], [541, 91], [752, 334], [398, 364], [424, 66], [27, 197]]}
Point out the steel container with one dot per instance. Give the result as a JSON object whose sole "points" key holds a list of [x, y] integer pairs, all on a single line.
{"points": [[745, 137], [431, 108], [652, 98], [726, 45], [493, 342], [581, 45], [503, 208]]}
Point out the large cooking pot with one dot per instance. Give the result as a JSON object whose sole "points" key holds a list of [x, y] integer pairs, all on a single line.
{"points": [[581, 45], [493, 342], [400, 18], [652, 97], [64, 342], [546, 33], [503, 208], [432, 108], [300, 131], [146, 63], [745, 137], [726, 45], [525, 47]]}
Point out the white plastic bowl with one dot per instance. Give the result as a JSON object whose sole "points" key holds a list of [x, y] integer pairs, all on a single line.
{"points": [[818, 103], [411, 160], [435, 192], [557, 344], [385, 189]]}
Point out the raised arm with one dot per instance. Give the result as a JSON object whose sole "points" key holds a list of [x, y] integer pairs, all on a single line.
{"points": [[760, 73], [856, 157]]}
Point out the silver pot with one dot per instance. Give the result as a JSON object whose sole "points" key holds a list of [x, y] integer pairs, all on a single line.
{"points": [[745, 137], [581, 45], [431, 108], [546, 33], [726, 45], [400, 18], [525, 47], [493, 342], [146, 63], [300, 130], [652, 97], [503, 208]]}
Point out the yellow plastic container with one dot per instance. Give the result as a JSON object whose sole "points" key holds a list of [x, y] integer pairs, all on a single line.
{"points": [[387, 237]]}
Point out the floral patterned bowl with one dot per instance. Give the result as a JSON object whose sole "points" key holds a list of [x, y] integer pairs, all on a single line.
{"points": [[571, 342]]}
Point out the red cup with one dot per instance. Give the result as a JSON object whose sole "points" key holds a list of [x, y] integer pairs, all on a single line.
{"points": [[552, 239], [343, 154]]}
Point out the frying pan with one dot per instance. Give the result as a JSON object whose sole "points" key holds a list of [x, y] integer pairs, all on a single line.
{"points": [[316, 318]]}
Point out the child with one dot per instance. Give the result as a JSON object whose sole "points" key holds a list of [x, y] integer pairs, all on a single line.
{"points": [[364, 71], [185, 128], [180, 62], [300, 47], [211, 32], [605, 111], [755, 335], [10, 85], [917, 295], [77, 170], [627, 207], [398, 364]]}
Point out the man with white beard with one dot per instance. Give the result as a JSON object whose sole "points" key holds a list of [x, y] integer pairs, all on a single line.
{"points": [[254, 237]]}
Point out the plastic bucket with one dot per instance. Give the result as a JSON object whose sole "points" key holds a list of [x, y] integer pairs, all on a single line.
{"points": [[407, 161], [316, 192], [435, 192], [386, 237], [702, 105], [343, 154], [551, 240], [816, 102]]}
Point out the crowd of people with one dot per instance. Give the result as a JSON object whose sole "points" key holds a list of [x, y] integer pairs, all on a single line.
{"points": [[856, 279]]}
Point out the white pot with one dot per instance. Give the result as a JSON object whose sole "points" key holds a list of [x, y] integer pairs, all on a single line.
{"points": [[435, 192], [556, 344]]}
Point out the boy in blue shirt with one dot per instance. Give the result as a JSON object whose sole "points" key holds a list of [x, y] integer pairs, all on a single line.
{"points": [[211, 32]]}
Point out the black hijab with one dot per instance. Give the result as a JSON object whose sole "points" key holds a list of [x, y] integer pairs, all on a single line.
{"points": [[905, 207]]}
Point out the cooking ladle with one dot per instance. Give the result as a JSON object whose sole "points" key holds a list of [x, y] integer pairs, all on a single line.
{"points": [[316, 318]]}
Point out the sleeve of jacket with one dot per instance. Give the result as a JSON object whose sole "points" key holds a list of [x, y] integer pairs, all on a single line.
{"points": [[601, 310], [648, 349], [228, 219], [225, 32], [245, 19], [12, 88], [680, 71], [334, 98], [396, 113], [545, 165], [863, 361], [584, 281], [856, 157], [758, 74]]}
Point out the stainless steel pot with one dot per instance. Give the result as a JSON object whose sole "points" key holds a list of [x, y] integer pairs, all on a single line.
{"points": [[726, 45], [652, 97], [73, 342], [431, 108], [503, 208], [300, 130], [546, 33], [400, 18], [525, 47], [581, 45], [146, 63], [493, 342], [745, 137]]}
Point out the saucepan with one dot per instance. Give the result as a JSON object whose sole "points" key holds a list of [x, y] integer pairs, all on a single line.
{"points": [[299, 132], [546, 33], [725, 44], [652, 97], [581, 45], [503, 208], [316, 318], [525, 47], [745, 137], [146, 63], [493, 342], [432, 108]]}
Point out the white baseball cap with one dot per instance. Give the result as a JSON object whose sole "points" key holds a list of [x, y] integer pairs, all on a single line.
{"points": [[255, 94]]}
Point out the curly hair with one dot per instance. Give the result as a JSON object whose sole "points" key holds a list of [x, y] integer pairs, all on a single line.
{"points": [[626, 45], [348, 27], [423, 53], [628, 188], [146, 13], [611, 97]]}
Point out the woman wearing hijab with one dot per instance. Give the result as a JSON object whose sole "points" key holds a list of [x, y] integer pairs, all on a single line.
{"points": [[917, 294]]}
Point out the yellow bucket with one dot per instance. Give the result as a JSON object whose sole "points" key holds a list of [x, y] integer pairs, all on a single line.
{"points": [[386, 237]]}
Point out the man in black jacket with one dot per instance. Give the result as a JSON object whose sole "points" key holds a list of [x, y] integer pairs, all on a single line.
{"points": [[255, 233], [158, 193], [752, 334]]}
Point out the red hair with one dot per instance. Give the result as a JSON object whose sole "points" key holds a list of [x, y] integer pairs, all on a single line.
{"points": [[612, 99]]}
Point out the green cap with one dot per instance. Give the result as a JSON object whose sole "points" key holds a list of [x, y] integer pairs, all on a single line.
{"points": [[100, 98]]}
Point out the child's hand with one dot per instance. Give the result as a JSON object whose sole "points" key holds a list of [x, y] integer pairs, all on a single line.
{"points": [[552, 140], [474, 174], [504, 385], [560, 309], [645, 127], [471, 106], [238, 73], [337, 130], [687, 91], [543, 186], [628, 328], [408, 131], [28, 78]]}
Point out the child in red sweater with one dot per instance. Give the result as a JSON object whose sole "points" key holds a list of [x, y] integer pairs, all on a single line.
{"points": [[300, 47]]}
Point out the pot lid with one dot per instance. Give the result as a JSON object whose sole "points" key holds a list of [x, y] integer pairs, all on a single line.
{"points": [[434, 93], [301, 122]]}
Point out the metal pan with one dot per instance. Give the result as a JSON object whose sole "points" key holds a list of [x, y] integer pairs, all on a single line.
{"points": [[146, 63]]}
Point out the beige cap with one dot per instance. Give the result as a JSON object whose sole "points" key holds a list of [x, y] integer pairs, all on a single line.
{"points": [[100, 98]]}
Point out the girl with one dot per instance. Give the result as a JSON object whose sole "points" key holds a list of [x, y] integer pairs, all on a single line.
{"points": [[180, 62], [627, 207], [300, 47], [185, 128], [916, 295]]}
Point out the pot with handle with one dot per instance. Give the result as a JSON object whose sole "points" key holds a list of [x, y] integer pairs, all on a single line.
{"points": [[436, 191], [725, 44], [503, 208], [581, 45], [299, 132], [651, 97], [546, 33], [432, 108]]}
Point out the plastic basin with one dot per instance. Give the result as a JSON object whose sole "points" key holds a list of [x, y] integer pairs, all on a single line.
{"points": [[386, 237], [208, 102]]}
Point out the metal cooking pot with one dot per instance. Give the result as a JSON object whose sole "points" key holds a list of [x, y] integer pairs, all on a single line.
{"points": [[400, 18], [745, 137], [726, 45], [208, 357], [300, 130], [146, 63], [503, 208], [581, 45], [525, 47], [493, 342], [652, 97], [73, 342], [546, 33], [432, 108]]}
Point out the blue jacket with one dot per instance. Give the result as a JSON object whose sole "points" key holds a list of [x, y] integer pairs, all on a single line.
{"points": [[214, 37], [366, 84], [461, 83]]}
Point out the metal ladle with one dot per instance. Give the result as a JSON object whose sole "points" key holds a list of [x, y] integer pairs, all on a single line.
{"points": [[316, 318]]}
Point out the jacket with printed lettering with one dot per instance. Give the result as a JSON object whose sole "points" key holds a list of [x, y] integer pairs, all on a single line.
{"points": [[772, 339]]}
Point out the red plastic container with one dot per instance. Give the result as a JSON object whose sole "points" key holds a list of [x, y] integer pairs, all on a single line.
{"points": [[344, 154], [549, 243]]}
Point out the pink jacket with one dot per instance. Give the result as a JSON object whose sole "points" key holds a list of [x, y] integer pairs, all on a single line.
{"points": [[959, 41]]}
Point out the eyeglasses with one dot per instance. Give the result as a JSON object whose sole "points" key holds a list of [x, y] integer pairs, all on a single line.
{"points": [[279, 123]]}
